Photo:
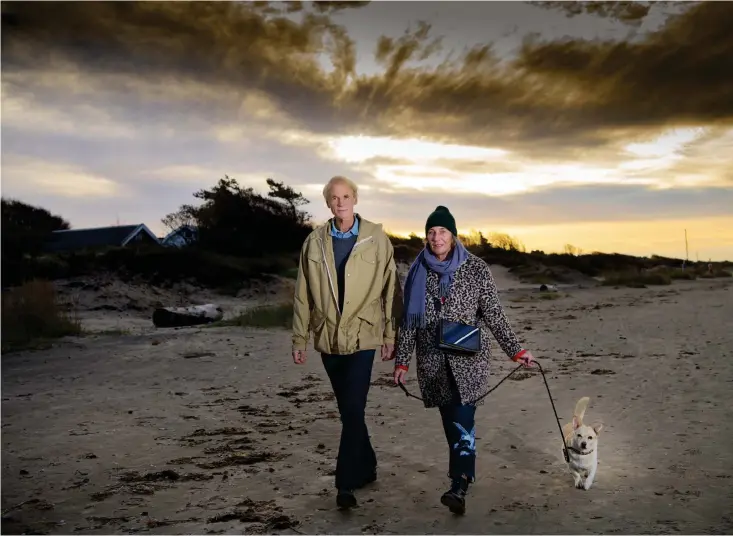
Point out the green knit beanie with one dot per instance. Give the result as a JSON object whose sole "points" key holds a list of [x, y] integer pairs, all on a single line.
{"points": [[441, 217]]}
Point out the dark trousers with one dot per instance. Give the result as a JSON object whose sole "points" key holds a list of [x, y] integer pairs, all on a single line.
{"points": [[460, 432], [350, 377]]}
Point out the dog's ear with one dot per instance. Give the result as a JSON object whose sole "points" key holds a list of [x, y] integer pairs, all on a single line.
{"points": [[597, 428], [576, 423]]}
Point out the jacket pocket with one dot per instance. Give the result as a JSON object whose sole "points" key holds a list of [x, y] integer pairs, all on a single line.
{"points": [[314, 254], [317, 319], [369, 256], [368, 273], [318, 326], [370, 325]]}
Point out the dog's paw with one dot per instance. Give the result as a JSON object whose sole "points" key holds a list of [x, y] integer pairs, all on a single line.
{"points": [[580, 484], [587, 485]]}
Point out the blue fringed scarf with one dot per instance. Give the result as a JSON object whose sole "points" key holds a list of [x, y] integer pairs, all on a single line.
{"points": [[417, 277]]}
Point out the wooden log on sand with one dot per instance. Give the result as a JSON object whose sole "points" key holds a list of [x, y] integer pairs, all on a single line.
{"points": [[193, 315]]}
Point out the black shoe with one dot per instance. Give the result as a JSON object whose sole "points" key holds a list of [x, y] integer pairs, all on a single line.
{"points": [[455, 497], [345, 499], [456, 502]]}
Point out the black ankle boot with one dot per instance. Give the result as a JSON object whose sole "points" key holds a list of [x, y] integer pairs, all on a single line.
{"points": [[345, 499], [455, 497]]}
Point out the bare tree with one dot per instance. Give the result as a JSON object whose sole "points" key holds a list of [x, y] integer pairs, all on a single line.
{"points": [[570, 249], [505, 241]]}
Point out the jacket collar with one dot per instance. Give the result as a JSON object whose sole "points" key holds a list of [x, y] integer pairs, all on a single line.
{"points": [[354, 231], [368, 233]]}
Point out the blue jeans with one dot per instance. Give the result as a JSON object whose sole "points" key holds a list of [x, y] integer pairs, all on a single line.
{"points": [[460, 432], [351, 377]]}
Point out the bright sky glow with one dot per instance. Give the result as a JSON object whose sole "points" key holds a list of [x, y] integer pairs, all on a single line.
{"points": [[668, 143], [423, 165], [59, 179], [361, 148], [708, 237], [424, 178]]}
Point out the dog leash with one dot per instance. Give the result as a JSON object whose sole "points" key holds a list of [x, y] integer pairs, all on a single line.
{"points": [[549, 394]]}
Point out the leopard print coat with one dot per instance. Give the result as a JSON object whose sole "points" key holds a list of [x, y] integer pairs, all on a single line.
{"points": [[474, 299]]}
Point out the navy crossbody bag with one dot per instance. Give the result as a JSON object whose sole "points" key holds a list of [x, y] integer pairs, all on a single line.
{"points": [[459, 338]]}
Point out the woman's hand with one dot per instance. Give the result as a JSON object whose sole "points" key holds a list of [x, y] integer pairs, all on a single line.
{"points": [[399, 375], [527, 359], [387, 352]]}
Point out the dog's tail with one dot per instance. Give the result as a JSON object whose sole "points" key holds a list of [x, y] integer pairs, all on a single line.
{"points": [[580, 408]]}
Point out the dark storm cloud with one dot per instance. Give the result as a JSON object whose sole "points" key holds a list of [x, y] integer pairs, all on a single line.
{"points": [[326, 6], [631, 13], [569, 89], [571, 93], [684, 72], [230, 44]]}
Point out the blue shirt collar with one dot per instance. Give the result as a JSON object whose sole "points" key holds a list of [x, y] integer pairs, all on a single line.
{"points": [[354, 231]]}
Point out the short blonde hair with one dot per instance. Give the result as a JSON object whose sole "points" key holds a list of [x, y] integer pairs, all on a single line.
{"points": [[338, 179]]}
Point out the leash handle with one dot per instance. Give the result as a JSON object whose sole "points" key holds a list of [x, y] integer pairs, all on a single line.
{"points": [[408, 393]]}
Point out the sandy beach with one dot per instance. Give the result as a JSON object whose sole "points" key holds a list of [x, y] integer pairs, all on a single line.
{"points": [[210, 430]]}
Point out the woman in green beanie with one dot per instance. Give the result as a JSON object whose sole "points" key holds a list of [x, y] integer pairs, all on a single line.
{"points": [[451, 306]]}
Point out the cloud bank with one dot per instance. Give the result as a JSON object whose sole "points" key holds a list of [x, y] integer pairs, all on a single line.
{"points": [[142, 100]]}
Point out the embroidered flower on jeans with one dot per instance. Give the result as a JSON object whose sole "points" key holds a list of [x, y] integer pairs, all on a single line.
{"points": [[467, 443]]}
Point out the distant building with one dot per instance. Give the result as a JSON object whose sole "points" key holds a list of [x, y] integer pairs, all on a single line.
{"points": [[183, 236], [100, 237]]}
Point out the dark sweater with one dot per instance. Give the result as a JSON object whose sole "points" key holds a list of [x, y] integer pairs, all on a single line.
{"points": [[341, 250]]}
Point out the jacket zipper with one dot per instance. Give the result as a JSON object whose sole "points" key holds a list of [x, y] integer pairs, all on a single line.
{"points": [[330, 281], [328, 272]]}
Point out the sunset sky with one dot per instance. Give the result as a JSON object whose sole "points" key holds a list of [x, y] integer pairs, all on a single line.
{"points": [[610, 129]]}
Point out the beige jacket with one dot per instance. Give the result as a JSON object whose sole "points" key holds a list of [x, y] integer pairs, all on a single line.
{"points": [[372, 298]]}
